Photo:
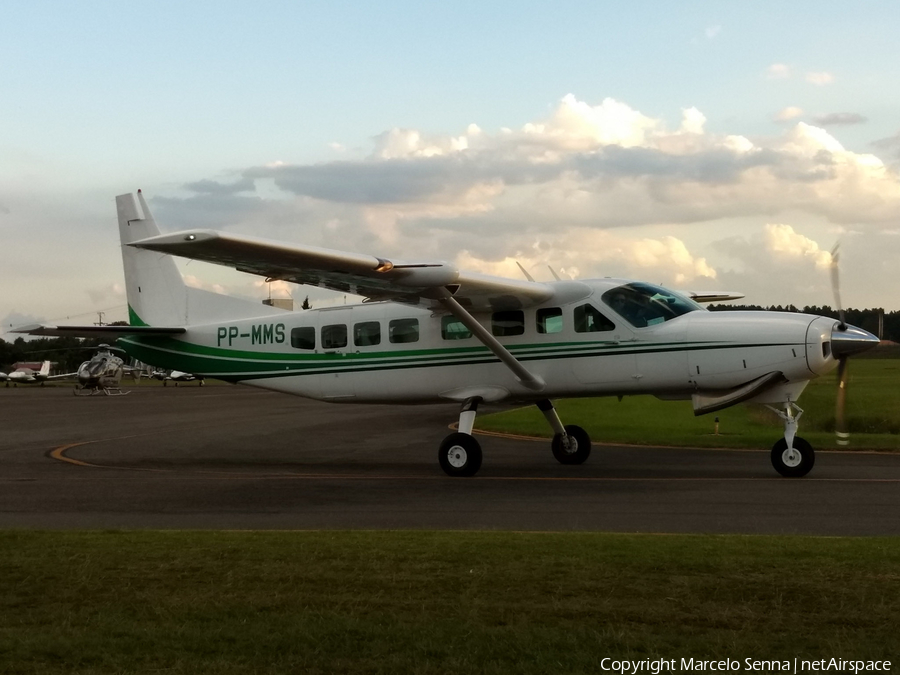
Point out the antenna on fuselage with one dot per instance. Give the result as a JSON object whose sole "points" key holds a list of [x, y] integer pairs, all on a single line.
{"points": [[524, 271]]}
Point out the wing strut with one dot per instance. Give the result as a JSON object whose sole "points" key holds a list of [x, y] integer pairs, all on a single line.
{"points": [[527, 378]]}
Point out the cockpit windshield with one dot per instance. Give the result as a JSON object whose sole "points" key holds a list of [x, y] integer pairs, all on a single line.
{"points": [[642, 304]]}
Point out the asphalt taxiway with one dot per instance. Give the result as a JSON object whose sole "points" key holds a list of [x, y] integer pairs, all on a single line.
{"points": [[235, 458]]}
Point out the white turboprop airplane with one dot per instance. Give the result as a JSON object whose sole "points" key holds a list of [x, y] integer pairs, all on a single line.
{"points": [[430, 332], [29, 376], [175, 376]]}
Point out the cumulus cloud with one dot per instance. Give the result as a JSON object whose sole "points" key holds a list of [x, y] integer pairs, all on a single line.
{"points": [[891, 144], [781, 71], [782, 240], [789, 113], [107, 294], [586, 253], [196, 282], [777, 264], [820, 79], [215, 188], [561, 191], [778, 71], [839, 119], [600, 158]]}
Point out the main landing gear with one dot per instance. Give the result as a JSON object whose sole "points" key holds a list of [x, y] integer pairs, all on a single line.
{"points": [[460, 453], [792, 456]]}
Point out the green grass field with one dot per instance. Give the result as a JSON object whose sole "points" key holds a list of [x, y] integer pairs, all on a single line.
{"points": [[435, 602], [873, 407]]}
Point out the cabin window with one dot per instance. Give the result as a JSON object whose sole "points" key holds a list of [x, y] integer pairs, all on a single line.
{"points": [[589, 320], [403, 330], [642, 304], [367, 334], [549, 320], [334, 336], [303, 338], [510, 322], [454, 329]]}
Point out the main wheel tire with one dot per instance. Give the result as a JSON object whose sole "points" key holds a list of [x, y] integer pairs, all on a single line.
{"points": [[460, 455], [576, 451], [796, 464]]}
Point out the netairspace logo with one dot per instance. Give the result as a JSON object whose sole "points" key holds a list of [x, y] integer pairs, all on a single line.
{"points": [[795, 666]]}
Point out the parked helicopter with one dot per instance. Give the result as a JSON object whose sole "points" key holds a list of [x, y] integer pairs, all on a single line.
{"points": [[102, 373]]}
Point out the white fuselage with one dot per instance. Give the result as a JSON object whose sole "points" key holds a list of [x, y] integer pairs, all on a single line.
{"points": [[27, 376], [391, 352]]}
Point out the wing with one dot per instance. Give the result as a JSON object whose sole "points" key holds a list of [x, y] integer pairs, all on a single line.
{"points": [[112, 332], [712, 296], [62, 376], [369, 276]]}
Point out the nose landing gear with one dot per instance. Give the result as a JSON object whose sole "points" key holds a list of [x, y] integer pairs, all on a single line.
{"points": [[792, 456]]}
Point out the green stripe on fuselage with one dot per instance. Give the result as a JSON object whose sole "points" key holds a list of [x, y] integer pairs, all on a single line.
{"points": [[237, 365]]}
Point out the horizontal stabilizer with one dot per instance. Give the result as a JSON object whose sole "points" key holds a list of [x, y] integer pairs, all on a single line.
{"points": [[712, 296], [95, 331]]}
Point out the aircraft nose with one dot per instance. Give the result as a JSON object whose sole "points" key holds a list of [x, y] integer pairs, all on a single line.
{"points": [[851, 340]]}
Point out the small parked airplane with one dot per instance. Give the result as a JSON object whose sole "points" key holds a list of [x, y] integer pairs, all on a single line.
{"points": [[175, 376], [29, 376], [430, 332]]}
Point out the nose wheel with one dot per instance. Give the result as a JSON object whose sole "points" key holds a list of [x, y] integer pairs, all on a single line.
{"points": [[792, 456], [793, 462]]}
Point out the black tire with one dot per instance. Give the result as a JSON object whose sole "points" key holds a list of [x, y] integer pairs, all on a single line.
{"points": [[793, 469], [578, 449], [460, 455]]}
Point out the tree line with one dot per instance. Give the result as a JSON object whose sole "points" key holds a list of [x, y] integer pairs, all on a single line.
{"points": [[67, 352], [867, 319]]}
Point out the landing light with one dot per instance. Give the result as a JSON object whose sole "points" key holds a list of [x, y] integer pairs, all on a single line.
{"points": [[190, 237], [384, 265]]}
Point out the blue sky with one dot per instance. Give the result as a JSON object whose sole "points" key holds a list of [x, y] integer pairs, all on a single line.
{"points": [[300, 98]]}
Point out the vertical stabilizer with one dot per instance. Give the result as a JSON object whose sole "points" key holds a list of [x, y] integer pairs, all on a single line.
{"points": [[45, 368], [156, 292]]}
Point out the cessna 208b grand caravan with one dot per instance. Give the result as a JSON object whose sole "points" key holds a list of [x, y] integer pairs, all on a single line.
{"points": [[430, 332]]}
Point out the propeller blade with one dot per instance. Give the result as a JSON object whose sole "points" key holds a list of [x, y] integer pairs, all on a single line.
{"points": [[836, 283], [840, 415]]}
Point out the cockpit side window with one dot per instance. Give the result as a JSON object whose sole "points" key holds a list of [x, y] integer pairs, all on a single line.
{"points": [[643, 305], [549, 320], [588, 319]]}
